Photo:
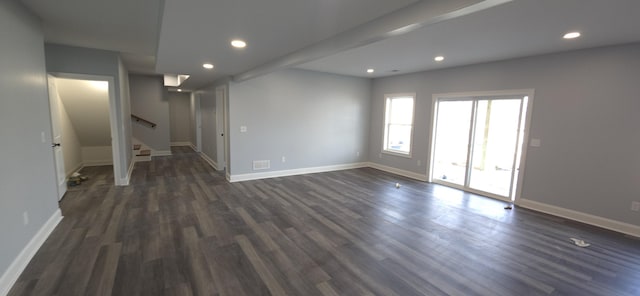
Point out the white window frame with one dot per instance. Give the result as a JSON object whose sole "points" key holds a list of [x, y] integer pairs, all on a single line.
{"points": [[385, 129]]}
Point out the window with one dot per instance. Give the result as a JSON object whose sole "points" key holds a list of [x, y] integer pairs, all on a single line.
{"points": [[398, 123]]}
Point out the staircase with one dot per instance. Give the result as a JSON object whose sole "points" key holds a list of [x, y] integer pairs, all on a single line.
{"points": [[141, 154]]}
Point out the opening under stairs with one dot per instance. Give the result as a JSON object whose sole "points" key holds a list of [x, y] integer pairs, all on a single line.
{"points": [[141, 153]]}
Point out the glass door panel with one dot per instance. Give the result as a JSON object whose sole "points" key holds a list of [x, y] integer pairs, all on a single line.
{"points": [[452, 141], [494, 142]]}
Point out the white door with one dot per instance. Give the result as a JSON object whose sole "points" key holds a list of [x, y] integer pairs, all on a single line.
{"points": [[220, 125], [56, 132]]}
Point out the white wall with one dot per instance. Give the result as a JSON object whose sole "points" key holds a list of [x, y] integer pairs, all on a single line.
{"points": [[149, 100], [585, 112], [27, 174], [179, 117], [71, 147], [312, 119], [96, 155]]}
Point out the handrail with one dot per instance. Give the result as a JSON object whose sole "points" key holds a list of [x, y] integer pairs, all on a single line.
{"points": [[139, 119]]}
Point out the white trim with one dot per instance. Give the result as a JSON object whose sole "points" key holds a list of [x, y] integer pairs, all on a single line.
{"points": [[414, 97], [528, 92], [209, 160], [617, 226], [10, 276], [127, 180], [97, 163], [172, 144], [293, 172], [194, 147], [78, 168], [117, 135], [161, 153], [408, 174]]}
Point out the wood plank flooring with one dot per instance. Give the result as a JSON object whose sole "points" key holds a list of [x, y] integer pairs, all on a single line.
{"points": [[181, 229]]}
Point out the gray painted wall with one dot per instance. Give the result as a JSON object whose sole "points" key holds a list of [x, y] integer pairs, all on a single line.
{"points": [[208, 122], [78, 60], [586, 112], [27, 174], [313, 119], [149, 100], [179, 117]]}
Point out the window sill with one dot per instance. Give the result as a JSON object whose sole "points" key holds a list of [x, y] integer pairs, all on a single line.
{"points": [[390, 152]]}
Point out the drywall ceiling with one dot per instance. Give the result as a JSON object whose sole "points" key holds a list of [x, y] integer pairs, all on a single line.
{"points": [[196, 32], [87, 104], [127, 26], [516, 29], [177, 37]]}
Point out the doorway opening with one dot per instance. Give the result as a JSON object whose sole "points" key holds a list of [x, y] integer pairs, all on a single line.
{"points": [[477, 141], [83, 120]]}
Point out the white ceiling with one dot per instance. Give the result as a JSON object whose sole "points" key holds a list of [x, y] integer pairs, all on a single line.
{"points": [[176, 37], [87, 105], [516, 29]]}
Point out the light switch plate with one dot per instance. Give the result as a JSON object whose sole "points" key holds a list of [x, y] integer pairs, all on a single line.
{"points": [[243, 129]]}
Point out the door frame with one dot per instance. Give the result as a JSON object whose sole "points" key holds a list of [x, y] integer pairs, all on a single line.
{"points": [[116, 135], [225, 125], [525, 142]]}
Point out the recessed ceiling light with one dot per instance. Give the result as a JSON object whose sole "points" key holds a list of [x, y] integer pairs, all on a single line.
{"points": [[571, 35], [370, 70], [179, 89], [208, 66], [438, 59], [237, 43]]}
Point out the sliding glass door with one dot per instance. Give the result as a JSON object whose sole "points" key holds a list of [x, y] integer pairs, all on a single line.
{"points": [[478, 142]]}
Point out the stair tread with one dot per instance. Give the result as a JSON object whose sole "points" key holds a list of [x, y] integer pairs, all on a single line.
{"points": [[144, 153], [137, 146]]}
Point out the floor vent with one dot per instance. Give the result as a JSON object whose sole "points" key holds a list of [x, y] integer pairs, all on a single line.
{"points": [[261, 164]]}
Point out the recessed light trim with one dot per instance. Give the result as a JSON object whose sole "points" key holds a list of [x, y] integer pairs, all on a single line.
{"points": [[571, 35], [370, 70], [237, 43], [179, 89], [438, 59], [207, 66]]}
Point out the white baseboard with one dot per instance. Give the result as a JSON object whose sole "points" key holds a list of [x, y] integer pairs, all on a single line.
{"points": [[161, 153], [194, 147], [127, 180], [210, 161], [180, 143], [75, 169], [293, 172], [408, 174], [617, 226], [18, 265], [97, 163]]}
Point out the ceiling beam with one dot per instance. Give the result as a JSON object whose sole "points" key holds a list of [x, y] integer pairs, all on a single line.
{"points": [[401, 21]]}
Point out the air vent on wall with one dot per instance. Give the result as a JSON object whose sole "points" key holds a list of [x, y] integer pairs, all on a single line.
{"points": [[261, 164]]}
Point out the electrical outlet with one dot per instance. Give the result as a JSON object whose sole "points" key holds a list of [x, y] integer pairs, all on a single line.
{"points": [[635, 206], [358, 153], [25, 218], [379, 155], [284, 159], [419, 162]]}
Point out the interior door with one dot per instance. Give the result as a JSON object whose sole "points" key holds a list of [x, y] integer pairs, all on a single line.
{"points": [[56, 130], [220, 120]]}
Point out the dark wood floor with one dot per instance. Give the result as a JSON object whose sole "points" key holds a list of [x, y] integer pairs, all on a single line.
{"points": [[181, 229]]}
